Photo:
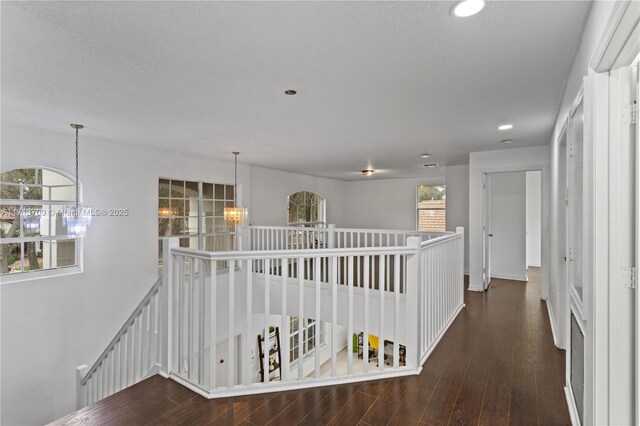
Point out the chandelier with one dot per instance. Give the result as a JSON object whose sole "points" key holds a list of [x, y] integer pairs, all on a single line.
{"points": [[77, 219], [235, 215]]}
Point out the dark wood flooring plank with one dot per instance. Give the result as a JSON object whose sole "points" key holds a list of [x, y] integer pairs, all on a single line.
{"points": [[299, 409], [497, 396], [469, 403], [324, 412], [389, 400], [523, 409], [238, 410], [353, 411], [445, 394]]}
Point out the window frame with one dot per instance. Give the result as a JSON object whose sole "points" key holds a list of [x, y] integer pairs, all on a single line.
{"points": [[320, 205], [419, 209], [201, 217], [27, 275], [318, 326]]}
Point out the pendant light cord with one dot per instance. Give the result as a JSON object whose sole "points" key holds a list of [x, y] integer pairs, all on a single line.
{"points": [[235, 181], [77, 181]]}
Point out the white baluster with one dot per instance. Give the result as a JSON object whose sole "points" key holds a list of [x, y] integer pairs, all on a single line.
{"points": [[396, 290], [300, 319], [249, 326], [213, 338], [334, 314], [232, 320], [180, 303], [381, 324], [266, 347], [350, 314], [190, 316], [284, 273], [201, 314], [318, 316], [365, 333]]}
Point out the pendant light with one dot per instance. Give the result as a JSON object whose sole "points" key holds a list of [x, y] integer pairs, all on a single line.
{"points": [[235, 215], [77, 219], [30, 221]]}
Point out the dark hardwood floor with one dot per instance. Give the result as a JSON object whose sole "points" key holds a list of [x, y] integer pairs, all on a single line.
{"points": [[496, 365]]}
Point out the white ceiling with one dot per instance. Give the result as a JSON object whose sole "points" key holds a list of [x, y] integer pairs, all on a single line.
{"points": [[378, 82]]}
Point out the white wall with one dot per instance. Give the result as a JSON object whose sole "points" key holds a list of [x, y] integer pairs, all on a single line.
{"points": [[391, 203], [52, 325], [386, 203], [508, 225], [458, 204], [272, 187], [534, 218], [518, 159]]}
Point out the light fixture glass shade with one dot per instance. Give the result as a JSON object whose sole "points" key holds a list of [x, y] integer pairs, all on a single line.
{"points": [[77, 220], [164, 211], [235, 215], [30, 221]]}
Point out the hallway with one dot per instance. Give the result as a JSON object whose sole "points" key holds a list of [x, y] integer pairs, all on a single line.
{"points": [[496, 365]]}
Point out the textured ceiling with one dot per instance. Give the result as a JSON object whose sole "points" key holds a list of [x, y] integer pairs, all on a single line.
{"points": [[378, 82]]}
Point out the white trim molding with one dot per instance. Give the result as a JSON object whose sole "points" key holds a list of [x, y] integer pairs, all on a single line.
{"points": [[624, 17]]}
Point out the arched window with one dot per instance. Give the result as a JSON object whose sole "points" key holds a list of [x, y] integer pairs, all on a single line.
{"points": [[306, 209], [34, 238]]}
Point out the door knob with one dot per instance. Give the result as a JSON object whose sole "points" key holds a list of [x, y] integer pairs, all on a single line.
{"points": [[491, 235]]}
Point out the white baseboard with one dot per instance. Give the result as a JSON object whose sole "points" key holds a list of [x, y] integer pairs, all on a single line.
{"points": [[554, 327], [535, 265], [571, 405], [509, 277], [474, 287]]}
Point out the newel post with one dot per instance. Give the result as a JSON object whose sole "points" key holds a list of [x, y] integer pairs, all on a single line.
{"points": [[460, 230], [413, 298], [81, 371], [331, 236], [165, 303]]}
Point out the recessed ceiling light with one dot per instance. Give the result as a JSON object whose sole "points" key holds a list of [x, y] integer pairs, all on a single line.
{"points": [[467, 8], [507, 141], [368, 172], [424, 155], [290, 92], [431, 166], [505, 126]]}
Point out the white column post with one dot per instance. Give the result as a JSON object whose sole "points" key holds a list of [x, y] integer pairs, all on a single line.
{"points": [[331, 236], [80, 373], [460, 230], [166, 307], [412, 298]]}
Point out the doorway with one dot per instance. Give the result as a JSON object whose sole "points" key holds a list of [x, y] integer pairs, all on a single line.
{"points": [[512, 225]]}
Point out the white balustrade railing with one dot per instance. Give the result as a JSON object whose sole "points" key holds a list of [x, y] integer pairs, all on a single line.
{"points": [[200, 326], [442, 287], [240, 301], [346, 237], [303, 238], [287, 238], [131, 356]]}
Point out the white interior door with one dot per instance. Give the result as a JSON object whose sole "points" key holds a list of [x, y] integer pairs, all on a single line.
{"points": [[507, 225], [622, 245], [575, 208], [486, 235], [560, 313], [637, 243], [222, 372]]}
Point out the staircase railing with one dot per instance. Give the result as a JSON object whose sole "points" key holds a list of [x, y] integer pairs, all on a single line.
{"points": [[199, 325], [132, 355]]}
